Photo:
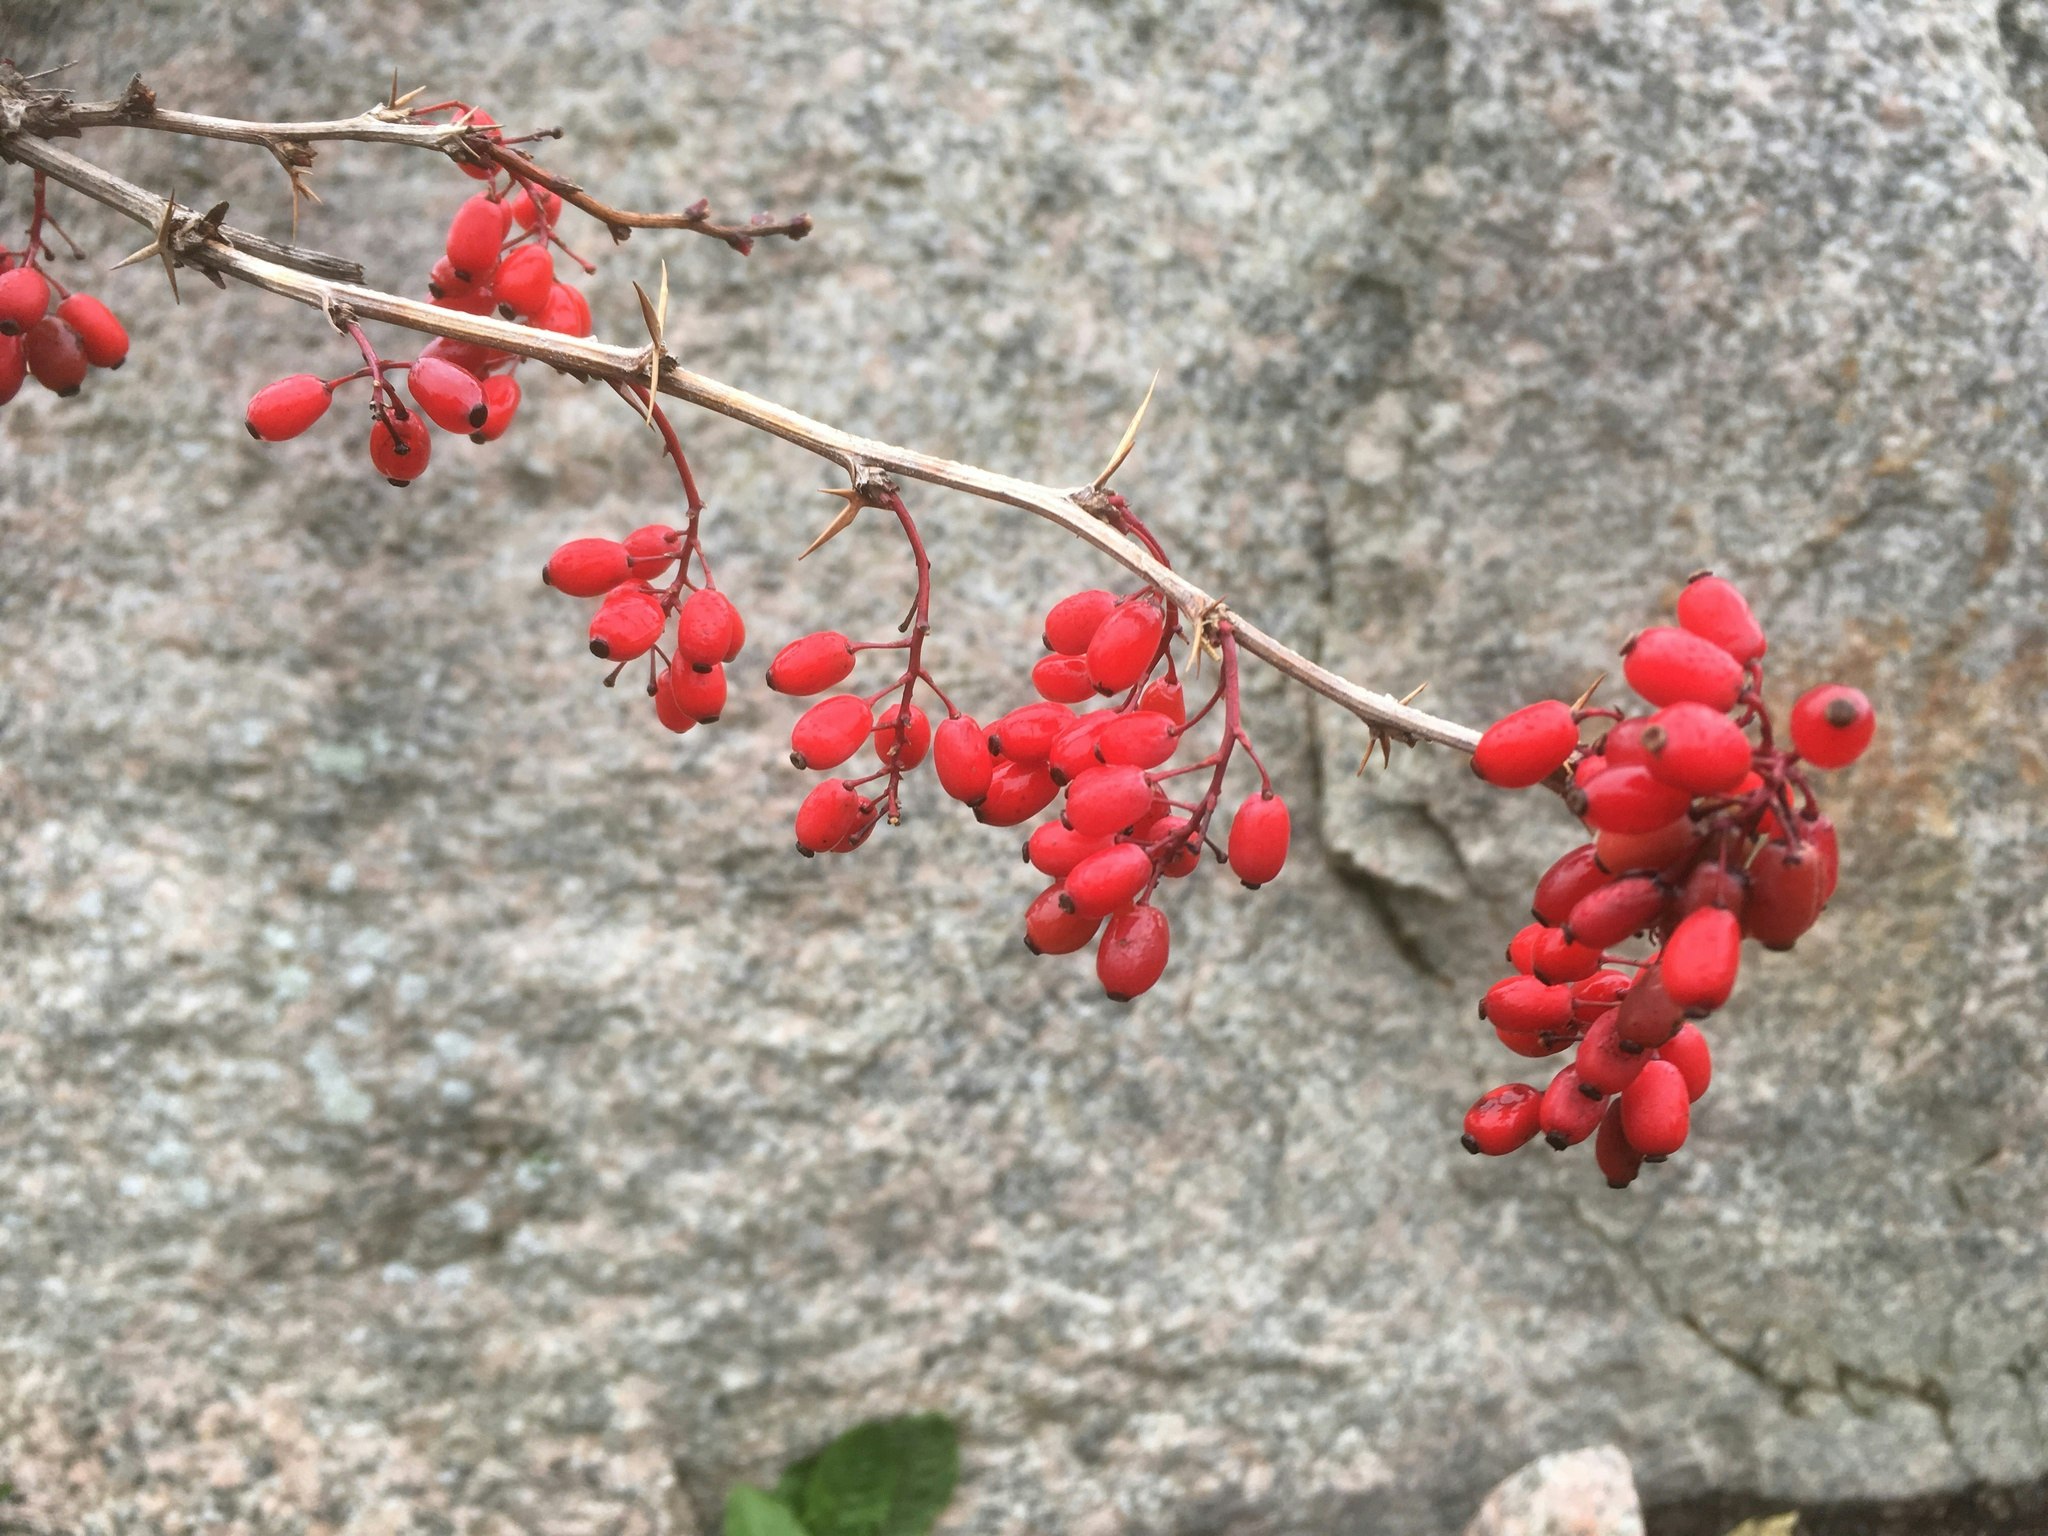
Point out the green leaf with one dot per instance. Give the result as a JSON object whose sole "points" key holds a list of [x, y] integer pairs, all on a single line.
{"points": [[849, 1491], [790, 1486], [928, 1461], [886, 1477], [750, 1512]]}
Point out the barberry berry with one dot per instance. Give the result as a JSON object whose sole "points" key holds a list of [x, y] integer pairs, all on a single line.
{"points": [[1125, 644], [1619, 1161], [24, 300], [1714, 610], [1667, 665], [1050, 929], [1568, 1116], [99, 332], [56, 357], [962, 759], [700, 694], [1258, 838], [1131, 955], [829, 732], [587, 567], [1700, 960], [1526, 747], [450, 397], [1107, 879], [703, 623], [1831, 725], [524, 280], [811, 664], [1697, 749], [288, 407], [1656, 1110], [903, 735], [1016, 792], [1072, 621], [1107, 799], [830, 815], [1063, 679], [1503, 1121], [474, 236], [501, 402], [626, 625], [399, 446]]}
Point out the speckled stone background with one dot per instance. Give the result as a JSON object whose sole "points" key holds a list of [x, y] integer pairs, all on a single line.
{"points": [[432, 1099]]}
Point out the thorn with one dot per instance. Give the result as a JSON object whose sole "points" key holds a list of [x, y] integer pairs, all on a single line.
{"points": [[410, 96], [841, 520], [656, 315], [1412, 694], [1130, 437], [1587, 697], [391, 101], [160, 246]]}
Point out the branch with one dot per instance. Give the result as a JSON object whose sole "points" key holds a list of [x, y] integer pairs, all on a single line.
{"points": [[1084, 512]]}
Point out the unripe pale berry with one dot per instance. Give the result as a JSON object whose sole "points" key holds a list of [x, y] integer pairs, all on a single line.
{"points": [[829, 815], [1671, 666], [1700, 960], [1108, 879], [703, 626], [1603, 917], [524, 280], [1561, 885], [1107, 799], [902, 735], [699, 694], [961, 757], [474, 235], [1831, 725], [24, 300], [1523, 1005], [1697, 749], [400, 446], [1712, 609], [830, 731], [1063, 679], [1026, 733], [1567, 1116], [1141, 738], [501, 402], [626, 625], [1526, 747], [1258, 838], [1629, 800], [450, 397], [1687, 1051], [1072, 621], [1503, 1120], [103, 337], [1656, 1110], [1619, 1161], [1132, 953], [1124, 645], [811, 664], [1016, 793], [55, 355], [1050, 929], [586, 567]]}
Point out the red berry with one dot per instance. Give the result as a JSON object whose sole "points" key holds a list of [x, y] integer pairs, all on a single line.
{"points": [[811, 664], [1534, 1046], [1819, 834], [1633, 852], [1697, 749], [1526, 747], [586, 567], [1628, 800], [1656, 1110], [1523, 1005], [477, 118], [1072, 622], [1567, 1116], [524, 280], [1598, 994], [475, 234], [1786, 888], [1671, 666], [1132, 954], [24, 300], [1063, 679], [1054, 850], [1623, 743], [399, 446], [104, 339], [1558, 959], [1701, 958], [1141, 738], [533, 207], [1016, 793], [13, 367], [444, 282], [1619, 1161], [1050, 929], [830, 731], [902, 736], [1712, 609], [1687, 1051], [703, 624], [1125, 645], [1711, 885], [1605, 916], [1607, 1062], [1561, 886], [627, 624], [1026, 734], [1107, 799], [1162, 697], [738, 642], [55, 355], [1648, 1016], [1588, 768], [566, 312], [829, 817], [699, 694], [1258, 838], [1831, 725], [1108, 879], [1522, 947], [1073, 750], [1186, 856], [1503, 1120], [467, 355], [961, 757], [501, 403], [667, 709], [451, 397], [652, 550], [288, 407]]}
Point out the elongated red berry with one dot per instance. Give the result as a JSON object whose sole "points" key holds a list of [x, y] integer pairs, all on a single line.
{"points": [[700, 694], [902, 735], [501, 404], [703, 626], [1832, 724], [1522, 947], [288, 407], [1503, 1120], [626, 625], [1656, 1110], [1818, 833], [1132, 953], [1687, 1051], [472, 359], [524, 280], [1063, 679], [1785, 893], [1658, 849], [1672, 666], [1016, 793], [1050, 929], [586, 567], [1628, 800], [1558, 959], [103, 337], [444, 282], [1165, 697], [1567, 1116], [1107, 879], [1141, 738], [1534, 1046], [1073, 750], [1598, 994], [1072, 621], [399, 446], [1124, 645], [1712, 609], [962, 760], [667, 709], [829, 815], [830, 731], [738, 640], [1603, 917], [24, 300], [1606, 1061], [56, 357], [450, 397], [13, 367], [1523, 1005], [1700, 960], [1711, 884], [487, 126], [1026, 733], [1258, 839], [474, 235], [1697, 749], [1526, 747], [1647, 1015], [1107, 799], [1053, 849], [811, 664], [566, 312], [1561, 885], [1623, 743], [534, 207], [652, 549], [1184, 857], [1619, 1161]]}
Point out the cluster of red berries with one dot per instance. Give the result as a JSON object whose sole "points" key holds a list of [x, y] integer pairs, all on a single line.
{"points": [[499, 256], [1706, 831], [49, 333]]}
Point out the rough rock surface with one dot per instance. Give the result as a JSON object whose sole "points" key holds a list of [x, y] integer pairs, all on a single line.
{"points": [[432, 1099], [1572, 1493]]}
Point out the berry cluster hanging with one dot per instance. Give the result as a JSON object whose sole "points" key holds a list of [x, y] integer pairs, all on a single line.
{"points": [[47, 332]]}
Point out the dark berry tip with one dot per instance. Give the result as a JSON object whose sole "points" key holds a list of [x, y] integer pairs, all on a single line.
{"points": [[252, 430], [1841, 714], [600, 650], [1470, 1143], [1591, 1092], [1558, 1140]]}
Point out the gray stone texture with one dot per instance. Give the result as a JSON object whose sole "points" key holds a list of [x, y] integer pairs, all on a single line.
{"points": [[433, 1099], [1570, 1493]]}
